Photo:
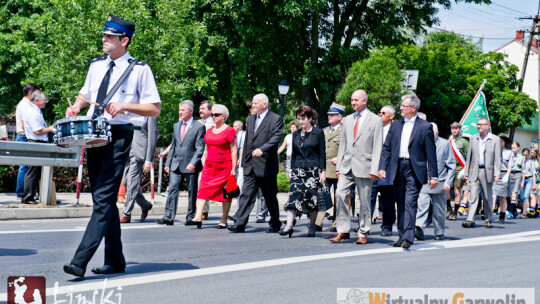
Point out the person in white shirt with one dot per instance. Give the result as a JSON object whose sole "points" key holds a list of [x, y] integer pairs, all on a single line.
{"points": [[36, 130], [28, 89]]}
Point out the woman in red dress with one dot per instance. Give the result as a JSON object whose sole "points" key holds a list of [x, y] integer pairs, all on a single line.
{"points": [[220, 163]]}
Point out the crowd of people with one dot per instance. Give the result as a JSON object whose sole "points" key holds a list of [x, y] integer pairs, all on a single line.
{"points": [[398, 169]]}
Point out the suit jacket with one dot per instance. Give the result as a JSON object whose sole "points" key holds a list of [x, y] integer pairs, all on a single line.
{"points": [[267, 139], [144, 141], [360, 154], [492, 158], [309, 152], [422, 150], [446, 163], [332, 146], [187, 151]]}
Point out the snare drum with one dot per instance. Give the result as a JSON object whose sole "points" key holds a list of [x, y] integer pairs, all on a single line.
{"points": [[82, 131]]}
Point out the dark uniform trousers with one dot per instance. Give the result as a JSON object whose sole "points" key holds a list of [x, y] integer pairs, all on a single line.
{"points": [[105, 167], [31, 179], [406, 190]]}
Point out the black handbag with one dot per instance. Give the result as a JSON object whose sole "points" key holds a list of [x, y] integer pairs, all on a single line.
{"points": [[324, 199]]}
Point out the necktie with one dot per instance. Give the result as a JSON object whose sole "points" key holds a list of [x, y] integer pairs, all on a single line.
{"points": [[104, 86], [257, 123], [356, 125], [183, 131]]}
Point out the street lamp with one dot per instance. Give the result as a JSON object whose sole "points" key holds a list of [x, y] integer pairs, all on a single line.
{"points": [[283, 88]]}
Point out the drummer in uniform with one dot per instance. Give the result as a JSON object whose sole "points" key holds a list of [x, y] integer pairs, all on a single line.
{"points": [[135, 99]]}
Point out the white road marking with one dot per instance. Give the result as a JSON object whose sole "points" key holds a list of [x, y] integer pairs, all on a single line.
{"points": [[128, 227], [529, 236]]}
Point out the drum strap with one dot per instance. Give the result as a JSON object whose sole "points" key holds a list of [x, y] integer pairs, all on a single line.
{"points": [[99, 109]]}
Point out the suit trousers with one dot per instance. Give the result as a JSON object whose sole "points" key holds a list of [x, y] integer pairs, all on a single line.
{"points": [[487, 189], [363, 186], [176, 178], [31, 179], [388, 201], [438, 200], [321, 214], [132, 180], [105, 167], [268, 186], [260, 206], [406, 190]]}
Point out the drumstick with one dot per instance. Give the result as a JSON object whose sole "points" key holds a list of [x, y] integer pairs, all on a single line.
{"points": [[88, 101], [69, 101]]}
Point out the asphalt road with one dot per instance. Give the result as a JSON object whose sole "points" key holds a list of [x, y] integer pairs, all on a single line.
{"points": [[179, 264]]}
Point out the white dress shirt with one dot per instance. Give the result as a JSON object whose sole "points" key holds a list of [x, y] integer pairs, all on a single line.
{"points": [[482, 148], [406, 137], [21, 108], [34, 121]]}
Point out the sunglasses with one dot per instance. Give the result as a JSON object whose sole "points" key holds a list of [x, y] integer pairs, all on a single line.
{"points": [[216, 114]]}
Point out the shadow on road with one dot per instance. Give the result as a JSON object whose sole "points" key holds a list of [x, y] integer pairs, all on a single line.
{"points": [[17, 252]]}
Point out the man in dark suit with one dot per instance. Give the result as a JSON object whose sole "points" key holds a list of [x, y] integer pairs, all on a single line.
{"points": [[184, 162], [141, 157], [410, 144], [261, 164]]}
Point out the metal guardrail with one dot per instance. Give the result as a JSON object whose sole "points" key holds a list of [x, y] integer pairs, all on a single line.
{"points": [[39, 154]]}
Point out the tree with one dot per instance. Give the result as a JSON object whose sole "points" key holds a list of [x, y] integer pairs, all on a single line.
{"points": [[50, 43], [378, 75], [255, 44]]}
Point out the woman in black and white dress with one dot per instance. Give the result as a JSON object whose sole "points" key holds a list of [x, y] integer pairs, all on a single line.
{"points": [[308, 163]]}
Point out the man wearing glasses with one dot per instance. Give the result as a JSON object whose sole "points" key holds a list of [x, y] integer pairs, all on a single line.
{"points": [[482, 168], [410, 144]]}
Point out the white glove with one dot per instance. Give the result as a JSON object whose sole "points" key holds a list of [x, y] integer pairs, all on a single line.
{"points": [[461, 174], [504, 180]]}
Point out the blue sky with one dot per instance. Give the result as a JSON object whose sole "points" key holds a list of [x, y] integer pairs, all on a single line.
{"points": [[496, 22]]}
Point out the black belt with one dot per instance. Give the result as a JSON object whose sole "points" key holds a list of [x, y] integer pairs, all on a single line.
{"points": [[404, 159], [38, 141], [124, 127], [515, 171], [481, 167]]}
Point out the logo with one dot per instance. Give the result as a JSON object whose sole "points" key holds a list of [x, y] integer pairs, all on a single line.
{"points": [[26, 290], [435, 295]]}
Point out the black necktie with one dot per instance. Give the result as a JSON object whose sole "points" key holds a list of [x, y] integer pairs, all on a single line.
{"points": [[104, 86]]}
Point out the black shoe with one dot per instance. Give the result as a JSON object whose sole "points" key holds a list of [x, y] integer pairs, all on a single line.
{"points": [[194, 223], [165, 222], [468, 224], [439, 237], [259, 221], [237, 229], [386, 232], [489, 224], [502, 220], [396, 244], [318, 228], [107, 269], [419, 234], [74, 270], [330, 218], [272, 230], [283, 232], [220, 226], [333, 229], [29, 202], [405, 245]]}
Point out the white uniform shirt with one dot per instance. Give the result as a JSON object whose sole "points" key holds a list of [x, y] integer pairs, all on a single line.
{"points": [[21, 108], [139, 87], [34, 121]]}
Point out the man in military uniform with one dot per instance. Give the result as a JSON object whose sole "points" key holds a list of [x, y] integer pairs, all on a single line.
{"points": [[135, 99], [332, 136], [460, 147]]}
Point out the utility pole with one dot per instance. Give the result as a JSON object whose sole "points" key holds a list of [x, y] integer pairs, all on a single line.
{"points": [[534, 31]]}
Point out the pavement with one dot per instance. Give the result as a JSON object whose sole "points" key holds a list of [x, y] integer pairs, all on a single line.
{"points": [[68, 207]]}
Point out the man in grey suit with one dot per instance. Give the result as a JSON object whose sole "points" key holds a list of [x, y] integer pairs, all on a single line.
{"points": [[482, 168], [446, 164], [357, 163], [184, 162], [141, 156]]}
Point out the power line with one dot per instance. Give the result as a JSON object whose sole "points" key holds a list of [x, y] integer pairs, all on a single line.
{"points": [[509, 8], [470, 36], [491, 15]]}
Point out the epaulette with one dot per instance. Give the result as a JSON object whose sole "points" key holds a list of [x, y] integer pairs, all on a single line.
{"points": [[137, 62], [97, 59]]}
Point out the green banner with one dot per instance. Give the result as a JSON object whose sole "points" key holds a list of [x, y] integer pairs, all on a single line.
{"points": [[477, 110]]}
